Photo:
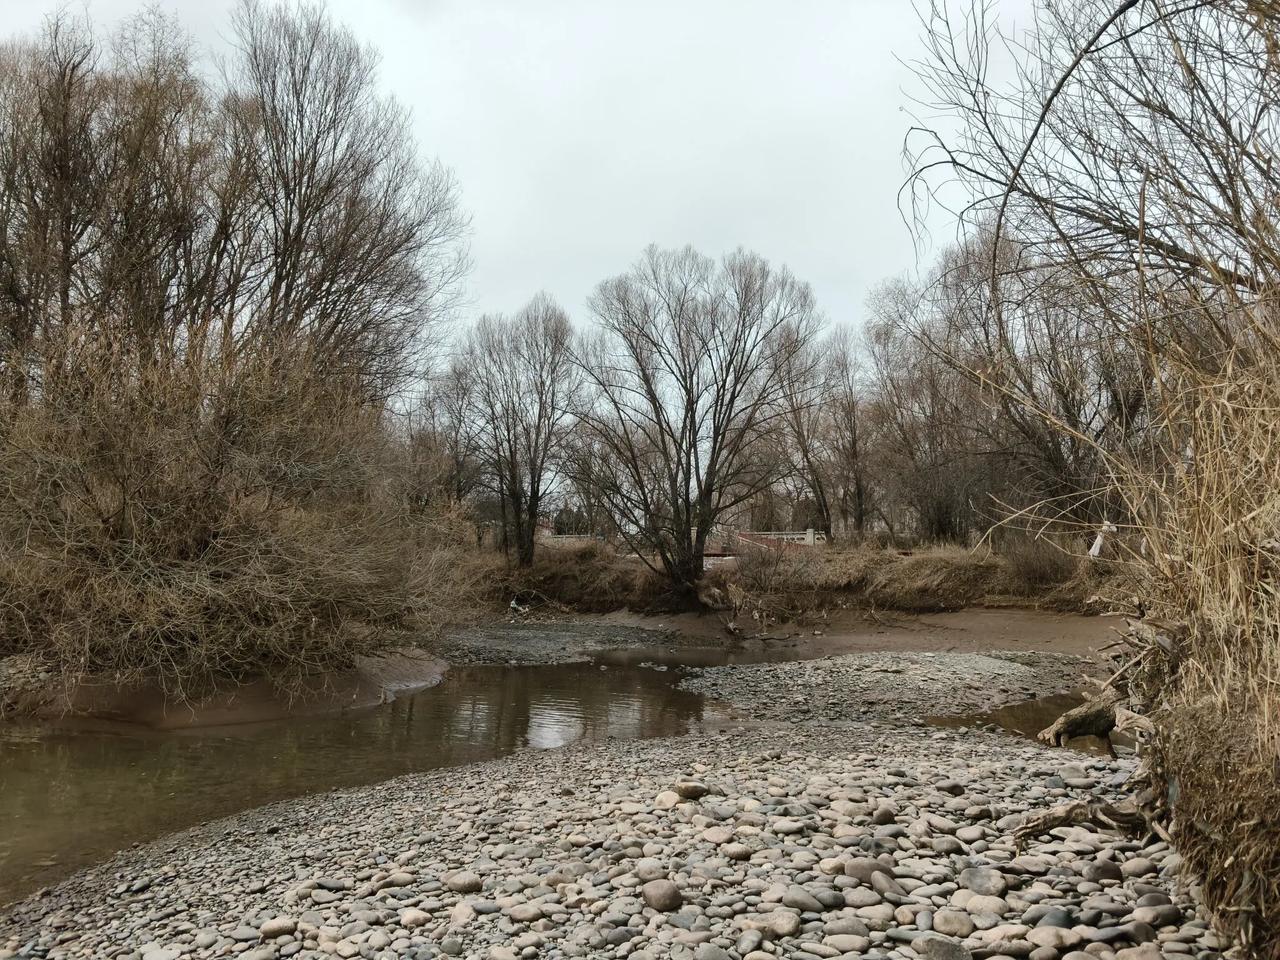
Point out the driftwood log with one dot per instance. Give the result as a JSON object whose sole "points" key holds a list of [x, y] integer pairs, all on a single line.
{"points": [[1095, 717], [1125, 816], [1100, 716], [1141, 815]]}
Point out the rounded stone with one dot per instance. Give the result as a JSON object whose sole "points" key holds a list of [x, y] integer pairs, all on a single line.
{"points": [[662, 895]]}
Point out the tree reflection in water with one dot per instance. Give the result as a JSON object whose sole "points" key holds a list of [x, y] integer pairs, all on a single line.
{"points": [[71, 796]]}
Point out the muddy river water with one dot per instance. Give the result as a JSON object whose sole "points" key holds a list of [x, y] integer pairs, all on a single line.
{"points": [[72, 793]]}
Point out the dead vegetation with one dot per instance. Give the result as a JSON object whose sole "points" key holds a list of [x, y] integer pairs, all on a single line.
{"points": [[211, 294], [1123, 187], [596, 578], [773, 585]]}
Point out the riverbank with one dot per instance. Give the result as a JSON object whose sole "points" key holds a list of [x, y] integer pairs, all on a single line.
{"points": [[565, 638], [797, 842], [28, 690], [756, 842]]}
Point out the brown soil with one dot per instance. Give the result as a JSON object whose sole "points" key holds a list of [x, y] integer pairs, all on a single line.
{"points": [[854, 631]]}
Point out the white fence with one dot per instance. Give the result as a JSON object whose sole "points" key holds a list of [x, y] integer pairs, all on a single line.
{"points": [[769, 538]]}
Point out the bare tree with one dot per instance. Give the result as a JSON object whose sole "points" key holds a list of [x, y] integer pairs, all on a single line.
{"points": [[927, 414], [444, 439], [211, 289], [354, 238], [848, 436], [686, 375], [524, 388], [805, 433]]}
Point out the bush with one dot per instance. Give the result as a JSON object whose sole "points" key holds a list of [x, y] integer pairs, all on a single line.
{"points": [[204, 330], [1209, 671], [591, 578], [197, 527], [1038, 563]]}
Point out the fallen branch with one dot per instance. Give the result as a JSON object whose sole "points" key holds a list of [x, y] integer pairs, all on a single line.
{"points": [[1124, 816], [1095, 717]]}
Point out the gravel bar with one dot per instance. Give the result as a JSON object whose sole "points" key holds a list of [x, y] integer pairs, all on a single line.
{"points": [[792, 841], [904, 686]]}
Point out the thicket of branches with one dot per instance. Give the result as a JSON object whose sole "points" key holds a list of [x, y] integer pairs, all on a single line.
{"points": [[213, 287], [703, 397], [1126, 179]]}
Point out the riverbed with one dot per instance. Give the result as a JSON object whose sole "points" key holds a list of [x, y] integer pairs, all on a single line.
{"points": [[74, 792]]}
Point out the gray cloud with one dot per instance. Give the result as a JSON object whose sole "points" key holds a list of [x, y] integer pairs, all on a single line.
{"points": [[581, 130]]}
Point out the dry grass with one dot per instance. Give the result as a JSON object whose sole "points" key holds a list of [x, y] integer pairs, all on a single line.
{"points": [[1208, 570], [199, 524], [595, 578], [791, 585]]}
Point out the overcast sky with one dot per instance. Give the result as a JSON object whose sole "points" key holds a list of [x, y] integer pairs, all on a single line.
{"points": [[582, 130]]}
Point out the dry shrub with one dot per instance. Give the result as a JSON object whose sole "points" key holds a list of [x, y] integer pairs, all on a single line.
{"points": [[594, 578], [773, 584], [942, 578], [770, 583], [1177, 267], [788, 584], [1037, 564], [769, 569], [1208, 569], [204, 330], [203, 522]]}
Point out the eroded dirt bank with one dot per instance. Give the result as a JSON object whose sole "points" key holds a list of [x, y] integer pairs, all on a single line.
{"points": [[373, 681]]}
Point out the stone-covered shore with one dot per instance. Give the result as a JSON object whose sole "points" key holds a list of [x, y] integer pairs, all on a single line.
{"points": [[791, 840]]}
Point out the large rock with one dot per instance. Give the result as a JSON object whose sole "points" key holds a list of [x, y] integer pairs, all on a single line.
{"points": [[1059, 938], [783, 923], [662, 895], [931, 946], [984, 881], [464, 881], [525, 912], [864, 868], [277, 927], [953, 923], [1162, 915], [1096, 870], [801, 899], [691, 789], [413, 918]]}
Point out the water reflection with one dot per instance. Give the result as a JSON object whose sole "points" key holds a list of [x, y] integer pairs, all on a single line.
{"points": [[1028, 717], [73, 795]]}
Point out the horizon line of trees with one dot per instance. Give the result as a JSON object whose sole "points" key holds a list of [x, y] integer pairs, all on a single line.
{"points": [[703, 394]]}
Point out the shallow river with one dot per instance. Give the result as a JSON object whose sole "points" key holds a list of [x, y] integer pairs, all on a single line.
{"points": [[73, 794]]}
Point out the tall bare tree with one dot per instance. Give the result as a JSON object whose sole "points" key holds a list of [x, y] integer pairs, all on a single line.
{"points": [[805, 432], [848, 437], [524, 389], [686, 374]]}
